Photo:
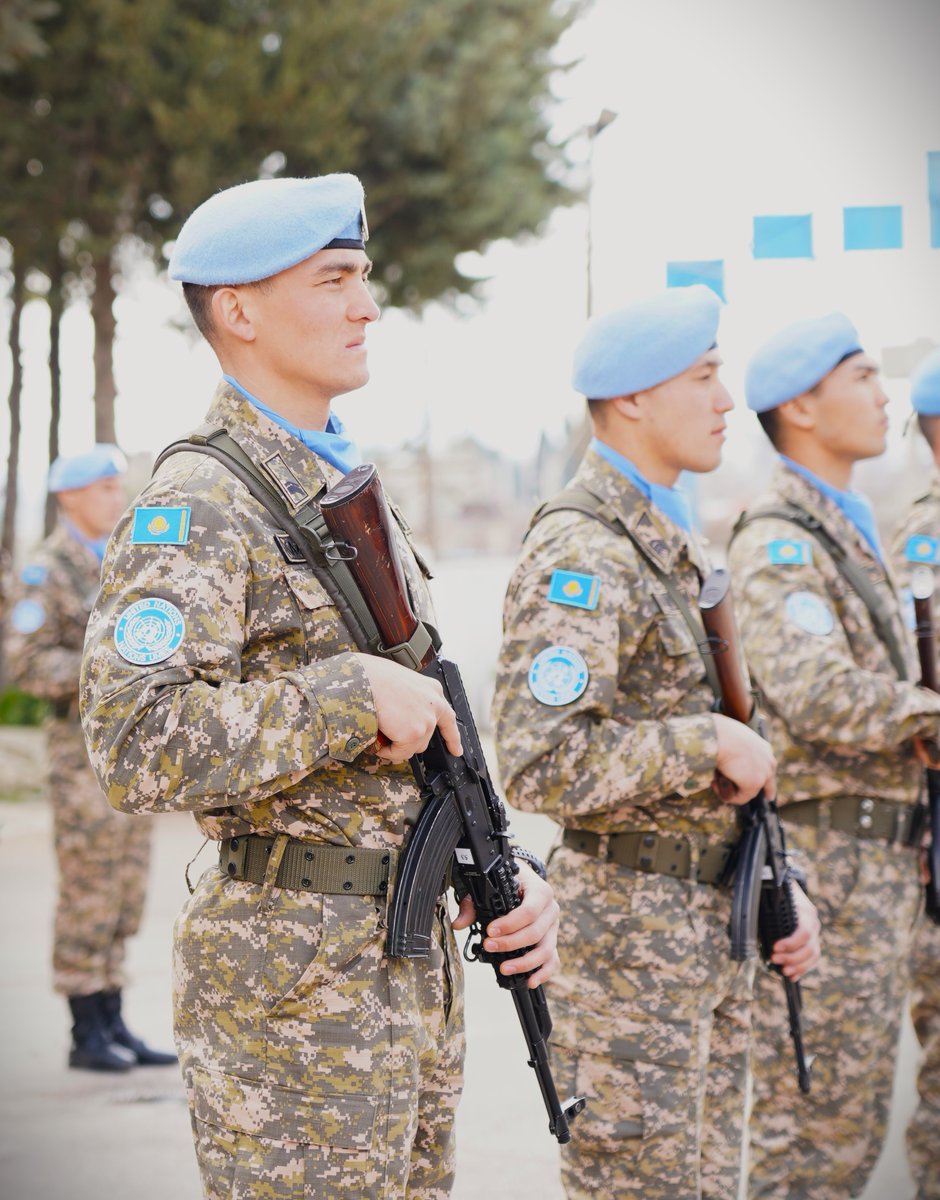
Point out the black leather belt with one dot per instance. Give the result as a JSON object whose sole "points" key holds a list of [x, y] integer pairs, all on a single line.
{"points": [[861, 816], [655, 853], [309, 866]]}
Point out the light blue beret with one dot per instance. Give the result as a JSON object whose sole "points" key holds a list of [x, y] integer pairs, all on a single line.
{"points": [[925, 385], [79, 470], [797, 358], [257, 229], [645, 344]]}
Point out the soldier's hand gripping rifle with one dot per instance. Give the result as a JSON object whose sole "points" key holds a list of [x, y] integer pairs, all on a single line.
{"points": [[762, 906], [462, 823], [922, 588]]}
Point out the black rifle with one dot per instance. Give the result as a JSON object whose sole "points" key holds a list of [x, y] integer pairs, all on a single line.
{"points": [[462, 824], [762, 906], [922, 587]]}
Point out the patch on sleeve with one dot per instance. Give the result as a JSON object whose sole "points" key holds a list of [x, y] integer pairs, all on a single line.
{"points": [[578, 591], [28, 616], [557, 676], [33, 574], [810, 613], [923, 549], [790, 552], [160, 526], [149, 631]]}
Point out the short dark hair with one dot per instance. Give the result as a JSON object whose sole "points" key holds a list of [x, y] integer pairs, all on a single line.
{"points": [[930, 428], [596, 408], [198, 298], [770, 423]]}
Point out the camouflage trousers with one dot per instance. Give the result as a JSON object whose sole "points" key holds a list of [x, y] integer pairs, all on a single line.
{"points": [[652, 1025], [825, 1145], [315, 1067], [923, 1130], [103, 860]]}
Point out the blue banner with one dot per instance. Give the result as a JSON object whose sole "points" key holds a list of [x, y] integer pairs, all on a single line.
{"points": [[783, 237], [933, 196], [875, 228], [711, 273]]}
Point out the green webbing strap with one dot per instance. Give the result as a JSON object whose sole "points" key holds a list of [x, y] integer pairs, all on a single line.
{"points": [[309, 866], [583, 501], [310, 535], [853, 574]]}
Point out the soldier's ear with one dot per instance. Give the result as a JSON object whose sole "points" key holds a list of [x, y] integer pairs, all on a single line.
{"points": [[231, 316], [627, 406], [799, 413]]}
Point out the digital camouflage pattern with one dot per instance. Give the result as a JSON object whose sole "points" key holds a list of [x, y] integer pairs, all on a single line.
{"points": [[315, 1066], [923, 1131], [841, 724], [103, 857], [651, 1018]]}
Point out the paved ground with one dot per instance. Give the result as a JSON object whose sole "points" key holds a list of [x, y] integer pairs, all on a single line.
{"points": [[78, 1135]]}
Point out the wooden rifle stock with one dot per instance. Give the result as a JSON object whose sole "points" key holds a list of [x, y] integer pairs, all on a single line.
{"points": [[922, 589]]}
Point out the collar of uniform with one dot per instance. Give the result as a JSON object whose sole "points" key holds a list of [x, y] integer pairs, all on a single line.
{"points": [[63, 542], [663, 540], [298, 474], [799, 490]]}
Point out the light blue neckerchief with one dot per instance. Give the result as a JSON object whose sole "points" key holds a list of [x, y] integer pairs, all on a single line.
{"points": [[328, 443], [96, 545], [856, 507], [672, 501]]}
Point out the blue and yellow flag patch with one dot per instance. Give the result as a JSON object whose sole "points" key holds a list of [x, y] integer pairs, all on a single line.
{"points": [[792, 552], [160, 526], [578, 591], [923, 549]]}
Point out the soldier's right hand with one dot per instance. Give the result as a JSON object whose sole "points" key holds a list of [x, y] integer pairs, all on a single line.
{"points": [[745, 765], [408, 708]]}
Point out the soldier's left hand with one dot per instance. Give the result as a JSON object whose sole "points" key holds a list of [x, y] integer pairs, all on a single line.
{"points": [[800, 952], [532, 926]]}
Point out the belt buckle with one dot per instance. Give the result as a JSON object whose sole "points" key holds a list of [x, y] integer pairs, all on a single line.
{"points": [[232, 857]]}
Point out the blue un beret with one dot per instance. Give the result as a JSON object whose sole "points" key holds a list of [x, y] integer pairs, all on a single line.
{"points": [[925, 386], [79, 470], [797, 358], [645, 344], [257, 229]]}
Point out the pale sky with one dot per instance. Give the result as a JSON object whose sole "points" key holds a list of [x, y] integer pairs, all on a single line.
{"points": [[727, 109]]}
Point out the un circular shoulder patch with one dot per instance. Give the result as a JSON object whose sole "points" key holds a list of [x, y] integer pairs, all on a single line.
{"points": [[149, 631], [28, 616], [33, 574], [810, 613], [558, 675]]}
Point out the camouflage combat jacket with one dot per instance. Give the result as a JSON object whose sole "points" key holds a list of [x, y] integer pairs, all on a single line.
{"points": [[916, 542], [637, 749], [51, 603], [839, 718], [262, 718]]}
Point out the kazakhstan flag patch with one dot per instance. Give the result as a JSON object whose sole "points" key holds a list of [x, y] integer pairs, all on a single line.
{"points": [[578, 591], [923, 549], [790, 551], [160, 527]]}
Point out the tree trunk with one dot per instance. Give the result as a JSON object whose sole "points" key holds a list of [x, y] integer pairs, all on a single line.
{"points": [[56, 309], [102, 313], [8, 535]]}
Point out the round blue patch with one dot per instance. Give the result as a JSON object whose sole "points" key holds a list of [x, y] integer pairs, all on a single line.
{"points": [[34, 574], [149, 631], [28, 616], [810, 613], [558, 675]]}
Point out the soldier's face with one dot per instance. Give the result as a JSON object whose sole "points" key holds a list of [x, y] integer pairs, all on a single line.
{"points": [[309, 323], [848, 409], [95, 508], [684, 419]]}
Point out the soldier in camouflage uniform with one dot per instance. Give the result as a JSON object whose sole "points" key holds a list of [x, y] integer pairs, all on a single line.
{"points": [[221, 678], [603, 722], [916, 544], [834, 663], [103, 858]]}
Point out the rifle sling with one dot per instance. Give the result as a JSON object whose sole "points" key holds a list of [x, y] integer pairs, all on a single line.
{"points": [[853, 574], [310, 535], [583, 501]]}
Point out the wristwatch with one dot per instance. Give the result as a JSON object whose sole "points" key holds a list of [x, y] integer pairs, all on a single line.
{"points": [[532, 859]]}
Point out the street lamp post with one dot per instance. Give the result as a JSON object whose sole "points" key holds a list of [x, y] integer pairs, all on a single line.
{"points": [[607, 117]]}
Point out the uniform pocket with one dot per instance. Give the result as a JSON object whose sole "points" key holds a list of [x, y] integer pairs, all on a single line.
{"points": [[675, 636]]}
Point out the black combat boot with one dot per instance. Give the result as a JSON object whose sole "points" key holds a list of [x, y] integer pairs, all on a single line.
{"points": [[93, 1047], [110, 1003]]}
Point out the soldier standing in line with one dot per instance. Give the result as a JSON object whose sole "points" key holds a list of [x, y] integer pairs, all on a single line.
{"points": [[916, 543], [603, 722], [221, 678], [103, 858], [834, 664]]}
